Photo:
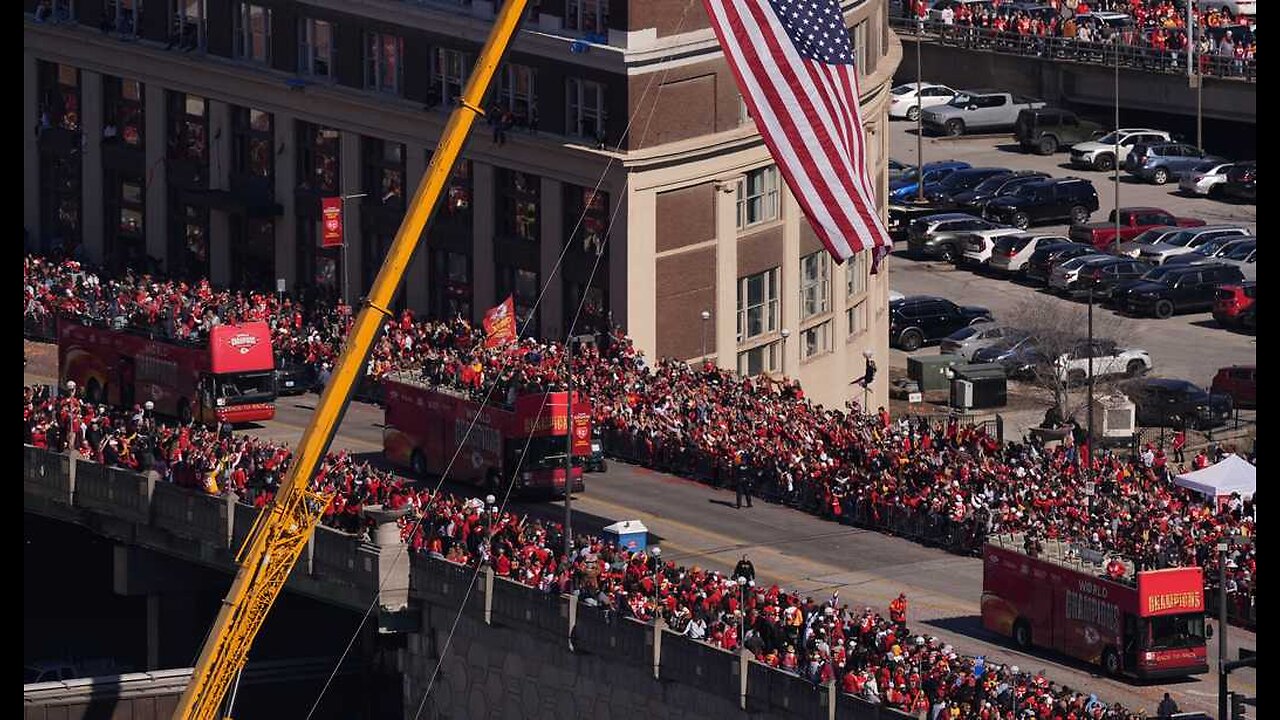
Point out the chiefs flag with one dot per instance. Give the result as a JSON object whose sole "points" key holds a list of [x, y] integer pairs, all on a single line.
{"points": [[500, 323], [331, 218]]}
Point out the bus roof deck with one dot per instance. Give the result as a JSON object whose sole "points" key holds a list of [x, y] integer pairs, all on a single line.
{"points": [[1072, 556]]}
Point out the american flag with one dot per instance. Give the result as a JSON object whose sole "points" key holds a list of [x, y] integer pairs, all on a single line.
{"points": [[795, 68]]}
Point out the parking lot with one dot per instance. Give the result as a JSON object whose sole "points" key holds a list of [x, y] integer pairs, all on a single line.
{"points": [[1188, 346]]}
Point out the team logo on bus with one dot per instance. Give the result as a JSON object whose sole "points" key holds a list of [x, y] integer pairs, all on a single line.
{"points": [[1091, 635], [477, 460], [243, 342]]}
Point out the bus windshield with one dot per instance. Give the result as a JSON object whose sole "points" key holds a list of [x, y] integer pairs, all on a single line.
{"points": [[1170, 632], [545, 452], [249, 387]]}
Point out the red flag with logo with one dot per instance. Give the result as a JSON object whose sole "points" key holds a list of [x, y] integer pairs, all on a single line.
{"points": [[331, 221], [500, 323]]}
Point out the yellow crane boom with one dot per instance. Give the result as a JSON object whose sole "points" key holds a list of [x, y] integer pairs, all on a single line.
{"points": [[284, 528]]}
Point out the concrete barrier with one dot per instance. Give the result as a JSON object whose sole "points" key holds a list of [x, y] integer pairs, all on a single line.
{"points": [[519, 605], [191, 514], [334, 556], [113, 491], [444, 583], [46, 474], [769, 689], [689, 661], [607, 634]]}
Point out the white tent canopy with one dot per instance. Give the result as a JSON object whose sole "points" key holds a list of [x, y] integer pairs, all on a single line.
{"points": [[1234, 474]]}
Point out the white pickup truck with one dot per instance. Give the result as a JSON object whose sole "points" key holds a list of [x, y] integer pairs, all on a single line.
{"points": [[1108, 360]]}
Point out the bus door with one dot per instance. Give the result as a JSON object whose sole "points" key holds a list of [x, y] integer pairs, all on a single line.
{"points": [[206, 402], [1132, 640], [125, 380]]}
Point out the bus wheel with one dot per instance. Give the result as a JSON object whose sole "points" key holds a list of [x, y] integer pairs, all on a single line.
{"points": [[184, 411], [1111, 662], [1022, 634], [418, 464], [93, 391]]}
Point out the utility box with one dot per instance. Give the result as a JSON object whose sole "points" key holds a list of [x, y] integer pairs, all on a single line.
{"points": [[629, 534], [979, 386], [930, 371]]}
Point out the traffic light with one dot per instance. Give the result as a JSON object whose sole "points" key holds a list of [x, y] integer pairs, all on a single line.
{"points": [[1237, 707]]}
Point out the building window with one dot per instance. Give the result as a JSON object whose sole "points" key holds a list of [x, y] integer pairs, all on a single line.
{"points": [[252, 138], [815, 340], [454, 217], [757, 304], [188, 256], [60, 162], [758, 197], [383, 69], [523, 287], [253, 252], [516, 93], [855, 274], [188, 138], [59, 12], [59, 97], [450, 284], [253, 33], [189, 18], [587, 218], [589, 16], [860, 47], [316, 47], [762, 359], [815, 269], [448, 75], [125, 211], [857, 317], [122, 16], [124, 120], [587, 314], [384, 172], [586, 109], [518, 205], [319, 155]]}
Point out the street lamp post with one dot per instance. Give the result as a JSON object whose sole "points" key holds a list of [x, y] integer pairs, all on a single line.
{"points": [[742, 611], [785, 334], [1089, 444], [346, 274], [706, 315], [657, 580], [919, 115], [1223, 547]]}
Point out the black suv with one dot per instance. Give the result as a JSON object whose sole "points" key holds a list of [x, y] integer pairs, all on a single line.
{"points": [[962, 181], [1185, 287], [918, 319], [1066, 198], [973, 201], [1165, 402], [1048, 130], [1242, 181]]}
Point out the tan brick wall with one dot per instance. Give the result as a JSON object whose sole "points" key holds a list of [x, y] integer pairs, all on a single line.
{"points": [[760, 251], [692, 101], [665, 16], [686, 216], [686, 285]]}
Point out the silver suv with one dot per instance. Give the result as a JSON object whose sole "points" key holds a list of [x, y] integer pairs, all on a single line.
{"points": [[1185, 241], [1100, 154]]}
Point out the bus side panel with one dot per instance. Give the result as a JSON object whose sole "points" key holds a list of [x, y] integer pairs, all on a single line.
{"points": [[1000, 605]]}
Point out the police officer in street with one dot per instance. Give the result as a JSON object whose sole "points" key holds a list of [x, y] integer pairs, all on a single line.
{"points": [[744, 569], [746, 480]]}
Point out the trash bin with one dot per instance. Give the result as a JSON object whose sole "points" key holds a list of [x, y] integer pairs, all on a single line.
{"points": [[629, 534]]}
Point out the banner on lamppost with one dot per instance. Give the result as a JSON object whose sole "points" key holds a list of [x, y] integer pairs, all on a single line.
{"points": [[331, 219]]}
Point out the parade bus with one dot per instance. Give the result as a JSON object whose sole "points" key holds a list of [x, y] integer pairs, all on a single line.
{"points": [[523, 441], [227, 376], [1095, 607]]}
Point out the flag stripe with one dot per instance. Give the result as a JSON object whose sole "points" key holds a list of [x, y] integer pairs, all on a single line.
{"points": [[794, 64]]}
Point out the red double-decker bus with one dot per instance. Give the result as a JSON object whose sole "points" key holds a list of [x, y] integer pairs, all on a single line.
{"points": [[229, 375], [1143, 623], [523, 442]]}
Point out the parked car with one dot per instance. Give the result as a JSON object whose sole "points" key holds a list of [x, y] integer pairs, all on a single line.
{"points": [[1066, 198], [1231, 301], [1097, 273], [1133, 222], [939, 236], [920, 319], [1045, 131], [1186, 241], [1248, 319], [941, 193], [902, 214], [1040, 267], [968, 340], [1100, 154], [1169, 402], [1012, 252], [1240, 382], [293, 378], [897, 169], [1132, 248], [1178, 290], [1205, 179], [906, 100], [974, 201], [1212, 249], [976, 247], [1241, 181], [977, 110], [906, 187], [1019, 357], [1107, 358], [1243, 256], [1162, 162]]}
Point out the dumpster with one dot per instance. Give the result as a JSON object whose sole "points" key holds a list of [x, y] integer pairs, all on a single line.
{"points": [[629, 534], [979, 386], [930, 371]]}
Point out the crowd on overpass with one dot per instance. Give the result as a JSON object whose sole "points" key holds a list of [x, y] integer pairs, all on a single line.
{"points": [[839, 463]]}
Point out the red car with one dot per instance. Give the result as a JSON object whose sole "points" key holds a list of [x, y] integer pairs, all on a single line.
{"points": [[1231, 300], [1240, 382]]}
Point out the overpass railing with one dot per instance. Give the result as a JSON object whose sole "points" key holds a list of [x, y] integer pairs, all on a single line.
{"points": [[1069, 49]]}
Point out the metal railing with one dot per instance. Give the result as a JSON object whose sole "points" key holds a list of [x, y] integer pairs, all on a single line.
{"points": [[1070, 49]]}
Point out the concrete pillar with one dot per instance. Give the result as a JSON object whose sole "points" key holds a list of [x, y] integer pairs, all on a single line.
{"points": [[633, 285], [482, 272], [725, 315], [393, 562], [157, 196], [351, 183], [417, 277], [789, 287], [30, 148], [220, 147], [554, 234], [286, 224], [153, 631], [618, 260], [91, 220]]}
